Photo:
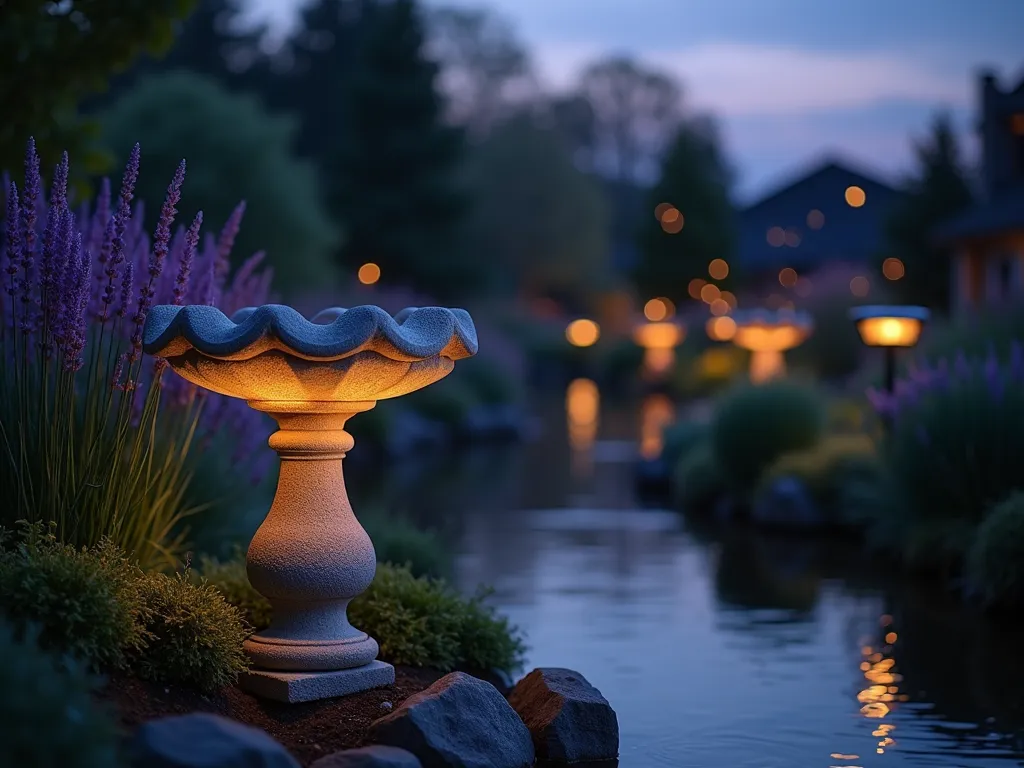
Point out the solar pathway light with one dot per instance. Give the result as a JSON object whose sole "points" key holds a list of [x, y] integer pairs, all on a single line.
{"points": [[892, 328]]}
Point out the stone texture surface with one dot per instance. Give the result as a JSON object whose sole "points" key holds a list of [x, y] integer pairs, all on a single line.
{"points": [[294, 687], [458, 722], [202, 740], [377, 756], [568, 718]]}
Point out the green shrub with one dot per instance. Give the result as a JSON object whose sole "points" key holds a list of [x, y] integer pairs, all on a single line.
{"points": [[84, 602], [956, 438], [447, 402], [680, 439], [842, 473], [48, 718], [995, 561], [697, 481], [399, 542], [229, 576], [936, 547], [489, 383], [754, 425], [424, 622], [196, 636]]}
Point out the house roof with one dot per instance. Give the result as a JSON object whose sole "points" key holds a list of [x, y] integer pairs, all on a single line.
{"points": [[829, 165], [992, 217]]}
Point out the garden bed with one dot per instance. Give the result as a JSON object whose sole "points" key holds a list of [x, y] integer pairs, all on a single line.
{"points": [[309, 730]]}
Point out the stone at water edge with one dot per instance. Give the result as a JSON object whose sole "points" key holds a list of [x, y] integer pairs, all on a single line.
{"points": [[201, 740], [377, 756], [568, 718], [458, 722]]}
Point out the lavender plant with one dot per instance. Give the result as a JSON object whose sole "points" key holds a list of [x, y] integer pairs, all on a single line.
{"points": [[93, 436], [956, 440]]}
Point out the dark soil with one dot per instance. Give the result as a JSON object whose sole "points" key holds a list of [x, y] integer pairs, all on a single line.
{"points": [[309, 731]]}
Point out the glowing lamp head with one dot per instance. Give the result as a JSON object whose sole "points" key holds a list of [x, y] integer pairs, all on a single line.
{"points": [[771, 331], [583, 333], [663, 335], [881, 326]]}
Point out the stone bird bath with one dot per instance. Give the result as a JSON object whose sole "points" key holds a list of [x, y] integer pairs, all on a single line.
{"points": [[311, 557]]}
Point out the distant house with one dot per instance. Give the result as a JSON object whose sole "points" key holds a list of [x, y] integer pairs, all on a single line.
{"points": [[831, 213], [988, 261]]}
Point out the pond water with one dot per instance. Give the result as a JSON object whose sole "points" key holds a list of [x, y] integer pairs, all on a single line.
{"points": [[715, 648]]}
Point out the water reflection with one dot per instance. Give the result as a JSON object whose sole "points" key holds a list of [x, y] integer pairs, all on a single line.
{"points": [[717, 647]]}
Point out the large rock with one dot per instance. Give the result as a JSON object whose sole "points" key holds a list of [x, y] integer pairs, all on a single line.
{"points": [[377, 756], [458, 722], [568, 718], [201, 740]]}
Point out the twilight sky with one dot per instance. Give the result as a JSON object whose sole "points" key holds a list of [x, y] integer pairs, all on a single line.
{"points": [[790, 80]]}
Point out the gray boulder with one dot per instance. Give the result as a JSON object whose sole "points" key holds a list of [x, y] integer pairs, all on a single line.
{"points": [[787, 504], [201, 740], [458, 722], [377, 756], [568, 718]]}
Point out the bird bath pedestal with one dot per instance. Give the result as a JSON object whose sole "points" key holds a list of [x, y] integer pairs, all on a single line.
{"points": [[311, 557]]}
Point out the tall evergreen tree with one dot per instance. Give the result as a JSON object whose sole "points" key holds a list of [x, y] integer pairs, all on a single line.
{"points": [[394, 164], [937, 191], [695, 181]]}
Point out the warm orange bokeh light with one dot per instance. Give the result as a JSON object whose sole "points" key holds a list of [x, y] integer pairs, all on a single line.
{"points": [[719, 307], [659, 335], [855, 197], [889, 331], [860, 286], [582, 410], [368, 274], [660, 209], [776, 237], [787, 277], [893, 269], [730, 299], [792, 238], [709, 293], [583, 333], [672, 220], [695, 287], [768, 337], [656, 413], [656, 310], [718, 269], [721, 328], [815, 219]]}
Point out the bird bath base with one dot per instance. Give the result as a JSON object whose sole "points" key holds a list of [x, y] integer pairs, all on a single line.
{"points": [[296, 687], [310, 558]]}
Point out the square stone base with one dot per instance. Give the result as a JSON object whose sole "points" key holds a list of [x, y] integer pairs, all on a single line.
{"points": [[293, 687]]}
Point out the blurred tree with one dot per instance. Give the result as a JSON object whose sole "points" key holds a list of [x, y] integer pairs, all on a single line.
{"points": [[486, 72], [235, 151], [635, 114], [394, 164], [935, 193], [57, 53], [542, 222], [696, 180]]}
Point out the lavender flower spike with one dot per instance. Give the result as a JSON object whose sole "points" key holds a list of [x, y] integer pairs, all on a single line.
{"points": [[13, 249], [127, 278], [29, 200], [187, 255], [226, 241]]}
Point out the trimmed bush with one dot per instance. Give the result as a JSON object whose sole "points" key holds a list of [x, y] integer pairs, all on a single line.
{"points": [[399, 542], [842, 474], [447, 402], [698, 482], [995, 561], [47, 714], [754, 425], [196, 635], [680, 439], [229, 576], [423, 622], [83, 602]]}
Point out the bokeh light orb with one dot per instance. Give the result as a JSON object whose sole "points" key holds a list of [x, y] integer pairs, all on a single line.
{"points": [[368, 274], [583, 333]]}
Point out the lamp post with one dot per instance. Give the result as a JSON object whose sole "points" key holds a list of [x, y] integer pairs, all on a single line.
{"points": [[768, 334], [891, 328], [310, 557]]}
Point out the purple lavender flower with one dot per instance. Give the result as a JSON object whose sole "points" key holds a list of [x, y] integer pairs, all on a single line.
{"points": [[961, 367], [29, 216], [12, 250], [226, 241], [78, 304], [100, 217], [126, 289], [118, 225], [188, 253]]}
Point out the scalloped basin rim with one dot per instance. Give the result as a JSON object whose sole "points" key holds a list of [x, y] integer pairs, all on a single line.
{"points": [[415, 333]]}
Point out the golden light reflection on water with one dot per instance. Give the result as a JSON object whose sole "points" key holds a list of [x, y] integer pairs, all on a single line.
{"points": [[882, 690], [656, 413], [582, 413]]}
